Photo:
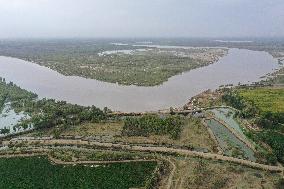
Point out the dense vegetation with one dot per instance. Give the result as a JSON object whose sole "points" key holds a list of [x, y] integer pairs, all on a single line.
{"points": [[53, 113], [12, 93], [278, 76], [266, 99], [265, 106], [46, 113], [38, 172], [153, 125], [98, 155], [248, 109], [275, 140], [81, 58]]}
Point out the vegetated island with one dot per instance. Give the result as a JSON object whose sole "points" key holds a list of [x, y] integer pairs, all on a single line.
{"points": [[106, 61]]}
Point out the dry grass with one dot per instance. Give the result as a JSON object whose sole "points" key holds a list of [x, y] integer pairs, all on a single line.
{"points": [[204, 174], [90, 129], [194, 134]]}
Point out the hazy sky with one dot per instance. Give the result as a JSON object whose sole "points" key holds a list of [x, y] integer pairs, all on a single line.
{"points": [[141, 18]]}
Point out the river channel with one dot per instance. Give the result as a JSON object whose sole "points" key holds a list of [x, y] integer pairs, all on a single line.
{"points": [[240, 65]]}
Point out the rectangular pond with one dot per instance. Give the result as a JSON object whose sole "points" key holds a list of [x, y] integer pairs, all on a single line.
{"points": [[227, 116], [228, 142]]}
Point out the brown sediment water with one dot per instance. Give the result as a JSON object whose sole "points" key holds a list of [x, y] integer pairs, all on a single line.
{"points": [[240, 65]]}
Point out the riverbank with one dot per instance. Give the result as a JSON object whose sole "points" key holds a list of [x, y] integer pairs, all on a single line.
{"points": [[113, 63], [239, 66], [108, 144]]}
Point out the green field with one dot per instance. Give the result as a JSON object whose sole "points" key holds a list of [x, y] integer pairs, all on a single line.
{"points": [[38, 172], [264, 107], [270, 102], [266, 99]]}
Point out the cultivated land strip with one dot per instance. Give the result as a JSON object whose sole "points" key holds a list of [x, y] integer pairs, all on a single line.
{"points": [[34, 152], [146, 149], [58, 161]]}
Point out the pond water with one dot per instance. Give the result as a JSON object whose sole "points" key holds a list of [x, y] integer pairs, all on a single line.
{"points": [[229, 143], [242, 66], [227, 115], [9, 118]]}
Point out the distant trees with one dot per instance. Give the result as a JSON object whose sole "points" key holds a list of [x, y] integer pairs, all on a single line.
{"points": [[172, 111], [106, 110]]}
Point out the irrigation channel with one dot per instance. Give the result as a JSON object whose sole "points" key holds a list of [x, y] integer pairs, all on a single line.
{"points": [[229, 134]]}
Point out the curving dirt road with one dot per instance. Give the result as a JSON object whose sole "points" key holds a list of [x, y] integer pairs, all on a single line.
{"points": [[126, 147]]}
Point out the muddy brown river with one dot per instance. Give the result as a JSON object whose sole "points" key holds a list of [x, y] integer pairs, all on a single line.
{"points": [[239, 65]]}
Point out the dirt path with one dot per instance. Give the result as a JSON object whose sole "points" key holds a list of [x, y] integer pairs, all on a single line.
{"points": [[21, 155], [164, 150], [58, 161], [171, 176]]}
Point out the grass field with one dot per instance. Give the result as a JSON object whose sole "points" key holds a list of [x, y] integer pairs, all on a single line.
{"points": [[270, 103], [266, 99], [91, 129], [193, 134], [38, 172], [208, 174]]}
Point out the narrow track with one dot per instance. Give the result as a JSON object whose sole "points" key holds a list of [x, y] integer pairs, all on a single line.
{"points": [[127, 147]]}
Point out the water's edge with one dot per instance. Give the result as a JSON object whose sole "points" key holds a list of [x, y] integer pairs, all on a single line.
{"points": [[240, 65]]}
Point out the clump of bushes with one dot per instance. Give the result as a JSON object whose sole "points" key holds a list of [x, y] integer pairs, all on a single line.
{"points": [[247, 108], [153, 124], [275, 140]]}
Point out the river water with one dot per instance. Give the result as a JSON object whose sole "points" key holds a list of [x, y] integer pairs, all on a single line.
{"points": [[239, 65]]}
